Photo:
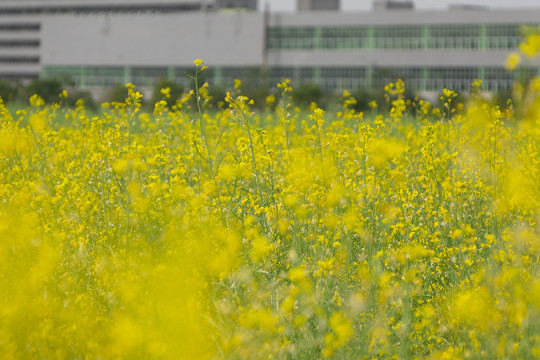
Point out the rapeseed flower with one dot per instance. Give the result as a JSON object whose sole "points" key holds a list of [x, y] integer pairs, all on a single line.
{"points": [[512, 61], [289, 235]]}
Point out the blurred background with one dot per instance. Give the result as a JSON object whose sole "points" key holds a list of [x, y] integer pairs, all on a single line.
{"points": [[323, 46], [364, 5]]}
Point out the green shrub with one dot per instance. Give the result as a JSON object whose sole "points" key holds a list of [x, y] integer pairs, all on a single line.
{"points": [[304, 95], [86, 96], [118, 93], [48, 89], [8, 91], [175, 92]]}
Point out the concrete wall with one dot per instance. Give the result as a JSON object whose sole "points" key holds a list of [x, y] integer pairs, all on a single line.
{"points": [[229, 39], [248, 4], [55, 3], [407, 17], [308, 5]]}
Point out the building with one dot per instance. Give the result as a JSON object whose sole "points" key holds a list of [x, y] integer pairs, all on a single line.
{"points": [[100, 43], [237, 4], [25, 27], [311, 5], [392, 5], [429, 49]]}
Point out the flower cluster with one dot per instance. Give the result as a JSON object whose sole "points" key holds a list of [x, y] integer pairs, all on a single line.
{"points": [[185, 234]]}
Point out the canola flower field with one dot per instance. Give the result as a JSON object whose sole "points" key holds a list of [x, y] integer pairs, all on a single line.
{"points": [[194, 234]]}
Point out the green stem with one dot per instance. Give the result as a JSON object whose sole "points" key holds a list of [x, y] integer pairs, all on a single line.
{"points": [[204, 139]]}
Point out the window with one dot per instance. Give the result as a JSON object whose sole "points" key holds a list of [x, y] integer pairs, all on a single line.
{"points": [[503, 36], [19, 59], [497, 79], [344, 38], [458, 79], [398, 37], [19, 43], [291, 38], [413, 77], [345, 78], [104, 75], [15, 27], [450, 37], [146, 76], [298, 75]]}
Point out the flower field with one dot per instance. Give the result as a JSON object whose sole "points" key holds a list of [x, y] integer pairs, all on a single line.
{"points": [[409, 232]]}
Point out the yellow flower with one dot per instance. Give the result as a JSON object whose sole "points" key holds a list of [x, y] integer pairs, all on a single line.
{"points": [[512, 61], [270, 99], [237, 83], [166, 92], [198, 62], [531, 46]]}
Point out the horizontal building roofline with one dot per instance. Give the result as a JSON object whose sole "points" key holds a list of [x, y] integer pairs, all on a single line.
{"points": [[421, 17], [22, 7], [39, 3]]}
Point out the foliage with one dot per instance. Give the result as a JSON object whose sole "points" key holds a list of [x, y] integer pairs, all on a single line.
{"points": [[364, 97], [47, 89], [117, 93], [85, 96], [304, 95], [8, 91], [160, 92]]}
